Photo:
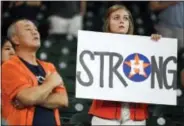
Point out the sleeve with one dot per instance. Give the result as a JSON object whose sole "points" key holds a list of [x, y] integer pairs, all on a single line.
{"points": [[61, 88], [13, 80]]}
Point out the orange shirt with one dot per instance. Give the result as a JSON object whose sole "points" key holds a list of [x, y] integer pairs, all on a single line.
{"points": [[112, 110], [15, 77]]}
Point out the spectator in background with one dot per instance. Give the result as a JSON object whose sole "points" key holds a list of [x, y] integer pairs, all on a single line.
{"points": [[6, 50], [66, 17], [25, 9], [170, 24], [181, 67], [182, 77], [32, 89], [32, 10], [171, 20]]}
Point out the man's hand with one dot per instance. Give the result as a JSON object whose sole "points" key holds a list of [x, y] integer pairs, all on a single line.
{"points": [[38, 94], [54, 79], [56, 100], [170, 2], [17, 104], [160, 5]]}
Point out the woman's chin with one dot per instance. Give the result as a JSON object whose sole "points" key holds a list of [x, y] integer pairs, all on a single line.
{"points": [[121, 32]]}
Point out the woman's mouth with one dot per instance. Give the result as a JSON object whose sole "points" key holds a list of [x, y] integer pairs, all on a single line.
{"points": [[121, 27]]}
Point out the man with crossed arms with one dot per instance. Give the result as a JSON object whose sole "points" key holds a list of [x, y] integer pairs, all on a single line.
{"points": [[32, 90]]}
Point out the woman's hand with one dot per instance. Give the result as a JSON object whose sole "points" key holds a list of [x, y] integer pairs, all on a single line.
{"points": [[156, 37]]}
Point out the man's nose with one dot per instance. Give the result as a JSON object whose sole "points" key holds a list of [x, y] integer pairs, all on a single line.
{"points": [[34, 32]]}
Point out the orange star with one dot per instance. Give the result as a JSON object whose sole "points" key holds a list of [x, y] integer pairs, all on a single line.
{"points": [[136, 63]]}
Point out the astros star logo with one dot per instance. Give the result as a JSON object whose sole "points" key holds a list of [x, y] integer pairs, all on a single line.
{"points": [[137, 67]]}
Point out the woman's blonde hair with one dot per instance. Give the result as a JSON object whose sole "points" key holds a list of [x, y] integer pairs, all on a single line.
{"points": [[112, 9]]}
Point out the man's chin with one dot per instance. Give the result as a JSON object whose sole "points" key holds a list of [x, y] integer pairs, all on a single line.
{"points": [[36, 47]]}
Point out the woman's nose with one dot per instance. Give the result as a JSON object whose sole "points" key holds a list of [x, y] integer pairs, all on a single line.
{"points": [[12, 52], [121, 21]]}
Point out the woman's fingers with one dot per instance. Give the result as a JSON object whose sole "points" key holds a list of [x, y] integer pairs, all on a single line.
{"points": [[156, 37]]}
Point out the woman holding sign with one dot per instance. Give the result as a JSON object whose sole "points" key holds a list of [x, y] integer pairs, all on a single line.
{"points": [[119, 20]]}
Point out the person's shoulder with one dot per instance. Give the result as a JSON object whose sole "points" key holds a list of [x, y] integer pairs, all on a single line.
{"points": [[11, 63], [46, 64], [13, 66]]}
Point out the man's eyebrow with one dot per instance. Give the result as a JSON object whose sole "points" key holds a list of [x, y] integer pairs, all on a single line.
{"points": [[26, 25]]}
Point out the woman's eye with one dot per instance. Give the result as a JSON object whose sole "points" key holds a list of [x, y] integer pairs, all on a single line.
{"points": [[116, 17], [126, 18], [7, 48]]}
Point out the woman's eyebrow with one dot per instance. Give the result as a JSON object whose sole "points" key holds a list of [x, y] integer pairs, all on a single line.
{"points": [[6, 46]]}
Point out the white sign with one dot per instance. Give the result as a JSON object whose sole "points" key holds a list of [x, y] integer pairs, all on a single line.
{"points": [[127, 68]]}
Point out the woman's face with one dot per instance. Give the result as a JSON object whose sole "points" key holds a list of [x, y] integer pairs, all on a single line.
{"points": [[119, 21], [7, 51]]}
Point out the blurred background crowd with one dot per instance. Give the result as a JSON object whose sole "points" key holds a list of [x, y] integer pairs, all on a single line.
{"points": [[58, 23]]}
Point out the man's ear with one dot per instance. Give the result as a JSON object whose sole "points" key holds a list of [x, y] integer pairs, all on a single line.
{"points": [[15, 40]]}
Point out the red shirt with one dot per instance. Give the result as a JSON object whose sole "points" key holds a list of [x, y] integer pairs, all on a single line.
{"points": [[112, 110]]}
